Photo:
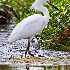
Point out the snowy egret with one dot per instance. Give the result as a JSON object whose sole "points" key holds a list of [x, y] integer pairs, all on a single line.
{"points": [[31, 25]]}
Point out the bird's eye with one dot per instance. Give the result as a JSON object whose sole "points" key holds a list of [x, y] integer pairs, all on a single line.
{"points": [[47, 0]]}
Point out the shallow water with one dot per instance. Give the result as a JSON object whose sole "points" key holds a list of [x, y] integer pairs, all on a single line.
{"points": [[61, 67], [17, 49]]}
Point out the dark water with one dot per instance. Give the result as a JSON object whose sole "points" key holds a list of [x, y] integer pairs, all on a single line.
{"points": [[61, 67]]}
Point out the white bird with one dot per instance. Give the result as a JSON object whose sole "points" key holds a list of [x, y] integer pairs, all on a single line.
{"points": [[31, 25]]}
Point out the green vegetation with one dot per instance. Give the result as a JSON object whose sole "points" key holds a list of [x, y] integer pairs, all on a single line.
{"points": [[57, 34]]}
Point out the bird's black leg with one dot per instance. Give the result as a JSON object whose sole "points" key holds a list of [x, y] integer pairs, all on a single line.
{"points": [[28, 48]]}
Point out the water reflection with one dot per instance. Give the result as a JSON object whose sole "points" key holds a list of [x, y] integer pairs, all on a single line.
{"points": [[5, 67], [61, 67]]}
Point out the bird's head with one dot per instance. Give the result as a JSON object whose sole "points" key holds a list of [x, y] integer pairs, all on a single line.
{"points": [[43, 2]]}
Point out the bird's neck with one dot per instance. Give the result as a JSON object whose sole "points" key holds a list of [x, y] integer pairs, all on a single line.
{"points": [[38, 6], [44, 10]]}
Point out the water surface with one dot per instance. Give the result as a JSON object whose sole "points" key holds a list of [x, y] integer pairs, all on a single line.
{"points": [[61, 67], [17, 49]]}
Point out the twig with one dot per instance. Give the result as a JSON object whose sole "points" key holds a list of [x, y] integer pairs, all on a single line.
{"points": [[21, 5]]}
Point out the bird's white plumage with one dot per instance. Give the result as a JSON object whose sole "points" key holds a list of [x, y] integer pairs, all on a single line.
{"points": [[31, 25], [26, 22]]}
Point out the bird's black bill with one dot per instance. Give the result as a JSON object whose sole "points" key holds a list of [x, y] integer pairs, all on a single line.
{"points": [[52, 5]]}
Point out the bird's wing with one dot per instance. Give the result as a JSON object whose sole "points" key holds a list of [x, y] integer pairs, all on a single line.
{"points": [[27, 28], [31, 19]]}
